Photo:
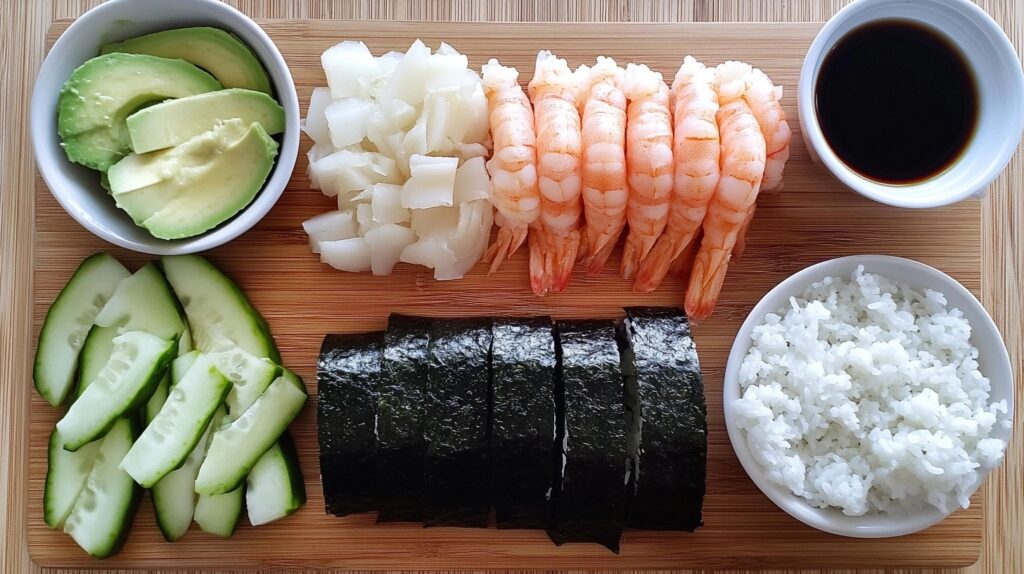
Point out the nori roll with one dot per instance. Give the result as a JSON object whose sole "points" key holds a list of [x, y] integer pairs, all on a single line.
{"points": [[671, 458], [523, 421], [400, 446], [348, 373], [456, 413], [588, 502]]}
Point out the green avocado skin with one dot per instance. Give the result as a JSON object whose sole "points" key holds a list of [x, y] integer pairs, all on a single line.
{"points": [[216, 51], [104, 91]]}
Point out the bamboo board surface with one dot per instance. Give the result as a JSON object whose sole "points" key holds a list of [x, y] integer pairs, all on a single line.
{"points": [[302, 299], [1003, 210]]}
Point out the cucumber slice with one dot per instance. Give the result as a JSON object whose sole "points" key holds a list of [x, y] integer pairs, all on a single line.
{"points": [[143, 302], [95, 353], [174, 497], [216, 308], [104, 510], [66, 473], [275, 488], [181, 365], [177, 428], [235, 448], [185, 342], [249, 375], [219, 514], [68, 322], [125, 382], [157, 399]]}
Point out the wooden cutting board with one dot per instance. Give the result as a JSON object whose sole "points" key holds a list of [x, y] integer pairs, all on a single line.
{"points": [[814, 219]]}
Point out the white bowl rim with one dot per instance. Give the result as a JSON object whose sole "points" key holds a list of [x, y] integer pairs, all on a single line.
{"points": [[811, 128], [48, 164], [831, 520]]}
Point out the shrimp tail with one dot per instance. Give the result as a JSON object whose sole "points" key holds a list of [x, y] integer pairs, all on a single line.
{"points": [[603, 247], [658, 263], [538, 278], [706, 281], [741, 237], [510, 239], [635, 251], [561, 260]]}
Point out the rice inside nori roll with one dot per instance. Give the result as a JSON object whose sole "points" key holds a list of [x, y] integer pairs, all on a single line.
{"points": [[669, 468], [455, 424], [523, 421], [588, 502], [348, 373]]}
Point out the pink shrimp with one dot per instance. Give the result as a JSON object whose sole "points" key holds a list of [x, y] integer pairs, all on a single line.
{"points": [[649, 163], [603, 107], [743, 163], [763, 98], [513, 165], [696, 155], [555, 236]]}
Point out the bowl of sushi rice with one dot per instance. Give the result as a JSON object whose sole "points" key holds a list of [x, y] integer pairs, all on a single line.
{"points": [[869, 396]]}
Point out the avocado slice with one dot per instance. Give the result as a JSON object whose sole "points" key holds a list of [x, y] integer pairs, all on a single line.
{"points": [[102, 92], [200, 183], [170, 123], [216, 51]]}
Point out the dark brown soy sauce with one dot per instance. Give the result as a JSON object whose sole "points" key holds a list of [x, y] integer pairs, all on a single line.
{"points": [[896, 101]]}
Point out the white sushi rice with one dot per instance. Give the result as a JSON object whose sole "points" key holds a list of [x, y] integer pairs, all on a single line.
{"points": [[865, 395]]}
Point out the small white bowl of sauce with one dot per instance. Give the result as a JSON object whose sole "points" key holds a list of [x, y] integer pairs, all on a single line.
{"points": [[912, 103]]}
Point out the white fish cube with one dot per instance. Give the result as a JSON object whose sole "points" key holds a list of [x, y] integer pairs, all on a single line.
{"points": [[471, 181], [349, 67], [346, 254], [432, 182], [387, 204], [347, 119], [386, 245], [315, 124]]}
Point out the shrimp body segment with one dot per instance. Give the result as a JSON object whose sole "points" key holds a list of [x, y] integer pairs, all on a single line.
{"points": [[696, 150], [513, 165], [764, 100], [555, 237], [649, 163], [743, 163], [605, 196]]}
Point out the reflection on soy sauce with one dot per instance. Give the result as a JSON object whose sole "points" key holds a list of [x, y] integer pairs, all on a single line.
{"points": [[896, 101]]}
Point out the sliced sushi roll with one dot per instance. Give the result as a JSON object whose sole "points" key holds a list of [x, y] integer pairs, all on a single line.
{"points": [[588, 499], [400, 446], [665, 400], [348, 376], [456, 412], [523, 421]]}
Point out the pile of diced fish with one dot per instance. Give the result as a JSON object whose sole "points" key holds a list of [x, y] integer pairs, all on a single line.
{"points": [[439, 420]]}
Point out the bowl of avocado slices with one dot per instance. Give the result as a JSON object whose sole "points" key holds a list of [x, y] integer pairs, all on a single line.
{"points": [[165, 127]]}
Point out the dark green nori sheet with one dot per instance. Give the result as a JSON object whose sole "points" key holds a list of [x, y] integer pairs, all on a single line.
{"points": [[347, 374], [400, 444], [456, 413], [669, 487], [523, 420], [588, 505]]}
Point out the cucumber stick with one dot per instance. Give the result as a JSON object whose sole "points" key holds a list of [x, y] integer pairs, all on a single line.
{"points": [[249, 375], [143, 302], [103, 512], [68, 322], [125, 382], [216, 308], [217, 514], [177, 428], [95, 354], [66, 473], [274, 488], [236, 448]]}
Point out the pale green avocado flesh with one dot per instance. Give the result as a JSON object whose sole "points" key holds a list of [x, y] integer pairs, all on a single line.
{"points": [[173, 122], [216, 51], [104, 91], [196, 185]]}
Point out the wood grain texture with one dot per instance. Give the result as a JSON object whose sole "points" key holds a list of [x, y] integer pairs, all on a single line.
{"points": [[24, 29]]}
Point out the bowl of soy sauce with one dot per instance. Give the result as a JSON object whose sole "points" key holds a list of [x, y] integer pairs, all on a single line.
{"points": [[913, 103]]}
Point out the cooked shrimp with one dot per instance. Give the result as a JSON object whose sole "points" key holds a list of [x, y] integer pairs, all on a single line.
{"points": [[603, 107], [649, 165], [555, 237], [513, 165], [696, 155], [743, 162], [763, 98]]}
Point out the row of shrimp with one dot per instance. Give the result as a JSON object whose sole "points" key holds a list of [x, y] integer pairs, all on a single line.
{"points": [[593, 152]]}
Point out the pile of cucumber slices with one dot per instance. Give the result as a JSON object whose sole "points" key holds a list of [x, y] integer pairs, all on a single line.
{"points": [[179, 391]]}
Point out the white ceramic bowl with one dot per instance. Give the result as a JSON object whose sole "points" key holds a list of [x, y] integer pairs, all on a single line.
{"points": [[993, 359], [77, 188], [997, 70]]}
